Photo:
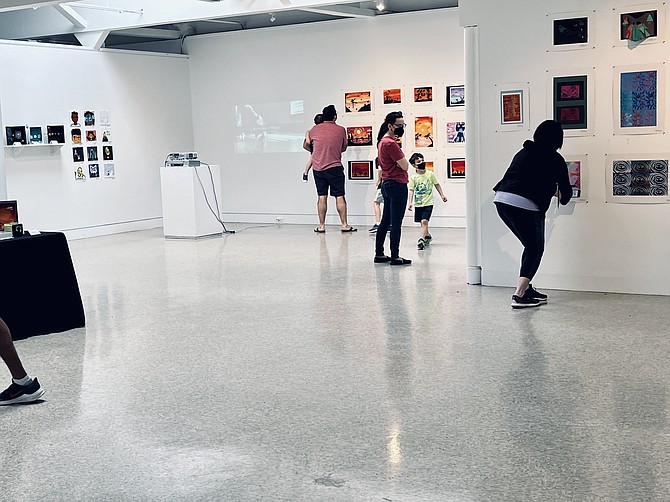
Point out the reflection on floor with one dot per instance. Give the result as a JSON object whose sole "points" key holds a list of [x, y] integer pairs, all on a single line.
{"points": [[278, 364]]}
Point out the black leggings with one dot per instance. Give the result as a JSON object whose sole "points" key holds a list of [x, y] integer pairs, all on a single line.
{"points": [[528, 226], [395, 205]]}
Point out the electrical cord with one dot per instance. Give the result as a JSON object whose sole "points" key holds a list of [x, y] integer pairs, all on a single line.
{"points": [[216, 200]]}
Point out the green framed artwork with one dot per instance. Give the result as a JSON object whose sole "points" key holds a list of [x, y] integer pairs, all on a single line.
{"points": [[570, 101]]}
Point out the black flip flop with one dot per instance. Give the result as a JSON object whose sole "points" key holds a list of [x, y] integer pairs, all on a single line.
{"points": [[401, 261], [349, 230], [320, 230]]}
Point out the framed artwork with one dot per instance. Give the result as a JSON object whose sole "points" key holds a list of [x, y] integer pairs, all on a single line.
{"points": [[637, 179], [392, 96], [358, 102], [92, 152], [75, 134], [643, 24], [456, 95], [36, 134], [569, 31], [571, 99], [638, 105], [107, 152], [79, 173], [456, 168], [430, 165], [361, 170], [359, 136], [423, 94], [16, 135], [93, 170], [577, 172], [78, 154], [56, 133], [511, 107], [456, 132], [91, 135], [424, 134], [74, 118], [109, 170]]}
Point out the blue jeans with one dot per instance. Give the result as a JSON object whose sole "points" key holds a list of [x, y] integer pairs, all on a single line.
{"points": [[395, 204]]}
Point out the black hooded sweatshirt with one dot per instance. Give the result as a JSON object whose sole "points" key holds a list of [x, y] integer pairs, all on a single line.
{"points": [[534, 173]]}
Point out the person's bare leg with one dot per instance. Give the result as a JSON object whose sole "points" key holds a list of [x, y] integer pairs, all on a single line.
{"points": [[322, 209], [341, 204], [377, 207], [8, 353], [424, 228], [522, 286]]}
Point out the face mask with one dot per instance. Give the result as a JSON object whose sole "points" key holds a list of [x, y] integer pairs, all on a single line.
{"points": [[399, 131], [421, 166]]}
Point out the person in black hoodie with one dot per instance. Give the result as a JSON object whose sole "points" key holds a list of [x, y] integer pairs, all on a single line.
{"points": [[537, 173]]}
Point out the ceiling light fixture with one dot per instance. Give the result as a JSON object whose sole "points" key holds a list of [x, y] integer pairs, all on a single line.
{"points": [[272, 17], [380, 5]]}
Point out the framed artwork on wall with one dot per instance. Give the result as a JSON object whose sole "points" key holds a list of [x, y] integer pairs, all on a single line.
{"points": [[571, 100], [358, 102], [455, 95], [638, 105], [423, 94], [424, 132], [75, 135], [16, 135], [513, 108], [359, 136], [109, 170], [94, 171], [577, 171], [571, 31], [637, 179], [361, 170], [456, 132], [430, 165], [78, 154], [637, 25], [392, 96], [456, 168]]}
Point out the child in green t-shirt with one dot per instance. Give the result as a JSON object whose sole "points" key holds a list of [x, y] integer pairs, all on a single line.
{"points": [[420, 188]]}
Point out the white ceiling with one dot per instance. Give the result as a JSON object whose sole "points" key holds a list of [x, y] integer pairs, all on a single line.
{"points": [[162, 25]]}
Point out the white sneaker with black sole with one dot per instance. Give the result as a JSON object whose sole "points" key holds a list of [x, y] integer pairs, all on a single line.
{"points": [[522, 302]]}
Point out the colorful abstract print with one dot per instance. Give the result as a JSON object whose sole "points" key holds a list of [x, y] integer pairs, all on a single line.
{"points": [[640, 177], [639, 98]]}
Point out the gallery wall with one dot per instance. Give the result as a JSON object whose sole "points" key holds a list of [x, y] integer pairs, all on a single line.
{"points": [[149, 104], [288, 74], [597, 243]]}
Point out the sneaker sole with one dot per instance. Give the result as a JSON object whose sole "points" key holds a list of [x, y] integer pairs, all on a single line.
{"points": [[525, 305], [26, 398]]}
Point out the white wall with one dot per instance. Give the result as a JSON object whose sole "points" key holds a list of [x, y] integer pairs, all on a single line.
{"points": [[590, 246], [149, 99], [316, 63]]}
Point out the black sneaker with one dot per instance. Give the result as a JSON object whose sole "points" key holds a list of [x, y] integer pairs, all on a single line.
{"points": [[373, 229], [522, 302], [428, 238], [531, 292], [16, 393], [421, 244]]}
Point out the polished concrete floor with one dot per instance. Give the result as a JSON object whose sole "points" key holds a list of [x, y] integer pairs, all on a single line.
{"points": [[281, 365]]}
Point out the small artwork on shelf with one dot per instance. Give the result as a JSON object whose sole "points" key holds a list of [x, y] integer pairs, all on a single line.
{"points": [[423, 94], [91, 135], [78, 154], [638, 26], [92, 152], [456, 95], [108, 170], [56, 133], [358, 102], [74, 118], [640, 178], [36, 134], [456, 168], [638, 96], [424, 134], [358, 136], [571, 31], [75, 134], [107, 153], [392, 96], [93, 170], [79, 173], [106, 136], [511, 107], [361, 170], [89, 118], [16, 135], [575, 175], [455, 132]]}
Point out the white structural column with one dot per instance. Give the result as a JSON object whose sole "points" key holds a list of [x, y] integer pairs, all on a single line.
{"points": [[3, 174], [472, 177]]}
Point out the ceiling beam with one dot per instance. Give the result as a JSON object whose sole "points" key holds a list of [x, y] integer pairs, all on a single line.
{"points": [[92, 39], [78, 21], [8, 5], [341, 11]]}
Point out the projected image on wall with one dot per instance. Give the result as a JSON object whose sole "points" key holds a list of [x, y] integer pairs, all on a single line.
{"points": [[270, 127]]}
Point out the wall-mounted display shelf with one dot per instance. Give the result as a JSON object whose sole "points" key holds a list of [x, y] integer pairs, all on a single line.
{"points": [[18, 149]]}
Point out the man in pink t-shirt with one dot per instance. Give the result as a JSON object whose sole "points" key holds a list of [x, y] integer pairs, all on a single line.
{"points": [[328, 140]]}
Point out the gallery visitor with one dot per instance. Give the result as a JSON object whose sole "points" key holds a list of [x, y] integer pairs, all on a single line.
{"points": [[23, 389]]}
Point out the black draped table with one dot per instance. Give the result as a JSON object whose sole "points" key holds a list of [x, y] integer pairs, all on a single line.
{"points": [[39, 293]]}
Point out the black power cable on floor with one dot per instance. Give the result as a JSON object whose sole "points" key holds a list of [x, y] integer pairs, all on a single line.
{"points": [[216, 200]]}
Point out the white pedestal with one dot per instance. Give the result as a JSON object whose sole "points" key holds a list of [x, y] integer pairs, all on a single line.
{"points": [[185, 211]]}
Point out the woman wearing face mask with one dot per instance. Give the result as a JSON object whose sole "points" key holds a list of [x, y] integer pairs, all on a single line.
{"points": [[394, 177]]}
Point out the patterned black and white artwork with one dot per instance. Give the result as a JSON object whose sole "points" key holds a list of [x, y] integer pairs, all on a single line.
{"points": [[640, 178]]}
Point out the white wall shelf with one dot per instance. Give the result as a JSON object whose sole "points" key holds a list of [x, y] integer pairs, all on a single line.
{"points": [[18, 149]]}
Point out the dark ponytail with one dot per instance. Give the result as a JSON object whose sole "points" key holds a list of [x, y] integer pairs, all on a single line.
{"points": [[390, 119]]}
